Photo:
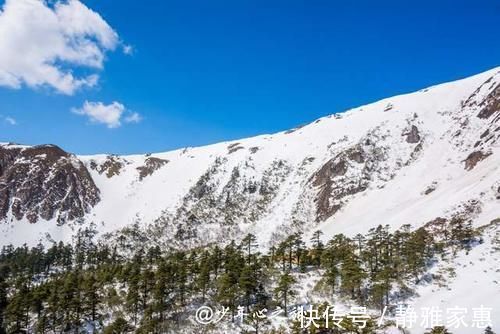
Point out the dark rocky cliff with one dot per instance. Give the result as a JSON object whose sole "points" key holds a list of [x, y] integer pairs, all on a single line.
{"points": [[44, 182]]}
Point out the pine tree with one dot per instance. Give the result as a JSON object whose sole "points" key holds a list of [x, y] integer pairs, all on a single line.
{"points": [[462, 233], [119, 326], [180, 276], [91, 296], [317, 248], [71, 299], [227, 292], [37, 306], [162, 290], [146, 284], [284, 290], [298, 247], [360, 243], [3, 299], [248, 284], [203, 278], [352, 276], [17, 310], [249, 243], [316, 239], [335, 252], [417, 253], [54, 313], [280, 255], [133, 297]]}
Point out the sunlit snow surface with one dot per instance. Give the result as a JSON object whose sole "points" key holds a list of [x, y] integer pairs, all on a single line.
{"points": [[395, 196]]}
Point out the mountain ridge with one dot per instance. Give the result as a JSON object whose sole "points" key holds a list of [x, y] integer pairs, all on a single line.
{"points": [[424, 159], [306, 174]]}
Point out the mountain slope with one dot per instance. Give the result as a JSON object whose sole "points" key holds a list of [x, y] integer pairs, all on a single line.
{"points": [[418, 159], [44, 182], [406, 159]]}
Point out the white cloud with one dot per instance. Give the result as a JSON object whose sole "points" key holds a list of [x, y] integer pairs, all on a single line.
{"points": [[9, 120], [111, 115], [128, 49], [42, 43], [98, 112], [133, 118]]}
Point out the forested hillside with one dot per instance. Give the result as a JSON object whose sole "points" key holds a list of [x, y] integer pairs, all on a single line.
{"points": [[94, 286]]}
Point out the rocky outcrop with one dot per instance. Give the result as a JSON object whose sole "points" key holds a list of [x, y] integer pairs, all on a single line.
{"points": [[333, 183], [234, 147], [151, 164], [44, 182], [217, 203], [474, 158], [112, 166], [491, 104], [412, 136], [431, 188], [253, 150], [484, 104]]}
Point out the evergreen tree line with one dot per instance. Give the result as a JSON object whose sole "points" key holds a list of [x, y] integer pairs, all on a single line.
{"points": [[67, 287]]}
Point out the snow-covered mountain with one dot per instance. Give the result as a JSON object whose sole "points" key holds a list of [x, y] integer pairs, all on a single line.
{"points": [[406, 159], [410, 159]]}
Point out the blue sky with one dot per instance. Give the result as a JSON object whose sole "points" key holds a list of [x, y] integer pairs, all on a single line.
{"points": [[208, 71]]}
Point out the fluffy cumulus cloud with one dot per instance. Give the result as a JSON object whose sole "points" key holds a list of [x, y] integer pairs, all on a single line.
{"points": [[42, 43], [111, 115]]}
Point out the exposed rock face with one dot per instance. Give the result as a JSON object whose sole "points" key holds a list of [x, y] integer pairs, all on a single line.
{"points": [[253, 150], [151, 164], [413, 135], [112, 166], [431, 188], [486, 99], [44, 182], [332, 183], [474, 158], [234, 147], [491, 104]]}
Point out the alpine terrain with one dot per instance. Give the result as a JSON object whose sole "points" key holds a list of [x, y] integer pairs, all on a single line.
{"points": [[416, 169]]}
